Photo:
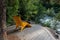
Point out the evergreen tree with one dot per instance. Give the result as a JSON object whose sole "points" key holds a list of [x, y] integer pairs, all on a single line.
{"points": [[12, 9]]}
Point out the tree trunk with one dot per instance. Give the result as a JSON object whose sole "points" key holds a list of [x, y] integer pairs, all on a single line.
{"points": [[3, 34]]}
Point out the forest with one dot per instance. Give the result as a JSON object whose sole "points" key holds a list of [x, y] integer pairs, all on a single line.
{"points": [[33, 10], [38, 15]]}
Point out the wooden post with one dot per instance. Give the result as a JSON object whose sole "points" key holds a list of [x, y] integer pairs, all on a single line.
{"points": [[3, 34]]}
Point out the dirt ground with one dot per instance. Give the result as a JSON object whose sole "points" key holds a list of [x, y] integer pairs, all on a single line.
{"points": [[13, 37]]}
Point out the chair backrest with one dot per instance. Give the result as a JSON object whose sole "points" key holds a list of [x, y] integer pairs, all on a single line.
{"points": [[17, 19]]}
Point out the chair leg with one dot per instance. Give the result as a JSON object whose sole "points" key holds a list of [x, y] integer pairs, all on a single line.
{"points": [[22, 28], [17, 26]]}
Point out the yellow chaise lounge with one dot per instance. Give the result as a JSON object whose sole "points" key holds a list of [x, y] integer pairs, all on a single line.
{"points": [[20, 23]]}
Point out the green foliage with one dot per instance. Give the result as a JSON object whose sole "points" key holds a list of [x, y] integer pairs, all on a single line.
{"points": [[28, 9], [50, 12], [12, 9], [22, 9], [58, 16], [32, 10], [47, 24]]}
